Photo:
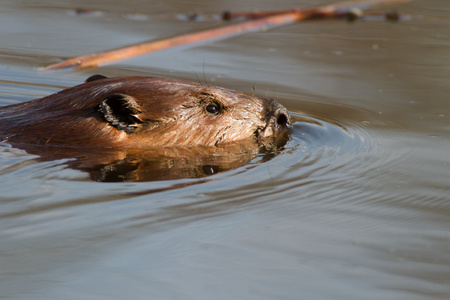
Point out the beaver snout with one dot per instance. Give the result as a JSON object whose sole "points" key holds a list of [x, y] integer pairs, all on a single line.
{"points": [[281, 116], [277, 121]]}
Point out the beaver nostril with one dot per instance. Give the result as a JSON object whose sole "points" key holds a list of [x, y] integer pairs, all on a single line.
{"points": [[282, 120]]}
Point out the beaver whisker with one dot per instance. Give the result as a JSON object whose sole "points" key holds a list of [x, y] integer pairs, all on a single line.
{"points": [[222, 132], [219, 139]]}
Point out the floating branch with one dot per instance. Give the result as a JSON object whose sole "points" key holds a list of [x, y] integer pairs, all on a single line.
{"points": [[337, 10], [256, 21]]}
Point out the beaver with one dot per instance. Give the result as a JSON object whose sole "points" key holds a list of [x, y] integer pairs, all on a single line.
{"points": [[142, 112]]}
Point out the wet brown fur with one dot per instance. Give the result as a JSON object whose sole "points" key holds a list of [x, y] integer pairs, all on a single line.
{"points": [[166, 112]]}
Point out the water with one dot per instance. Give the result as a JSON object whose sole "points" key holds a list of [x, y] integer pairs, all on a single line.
{"points": [[356, 206]]}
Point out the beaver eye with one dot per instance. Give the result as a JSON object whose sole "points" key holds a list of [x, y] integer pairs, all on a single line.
{"points": [[213, 108]]}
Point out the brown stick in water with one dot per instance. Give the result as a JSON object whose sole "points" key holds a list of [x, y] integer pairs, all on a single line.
{"points": [[267, 20]]}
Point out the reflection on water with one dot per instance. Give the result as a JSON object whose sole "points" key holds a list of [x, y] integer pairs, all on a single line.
{"points": [[355, 206], [157, 164]]}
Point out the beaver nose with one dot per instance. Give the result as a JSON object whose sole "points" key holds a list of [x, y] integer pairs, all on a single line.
{"points": [[277, 120], [282, 117]]}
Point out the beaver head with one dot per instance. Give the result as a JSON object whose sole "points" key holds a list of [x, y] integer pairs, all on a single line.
{"points": [[137, 112]]}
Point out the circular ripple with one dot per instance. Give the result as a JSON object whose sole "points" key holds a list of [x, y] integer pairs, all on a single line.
{"points": [[316, 133], [333, 159]]}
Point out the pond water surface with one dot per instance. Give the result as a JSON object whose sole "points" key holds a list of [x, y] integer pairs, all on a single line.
{"points": [[356, 205]]}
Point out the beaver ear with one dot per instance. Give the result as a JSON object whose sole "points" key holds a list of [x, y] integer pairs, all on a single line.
{"points": [[95, 77], [120, 111]]}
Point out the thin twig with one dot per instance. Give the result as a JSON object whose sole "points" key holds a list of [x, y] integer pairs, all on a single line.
{"points": [[266, 21]]}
